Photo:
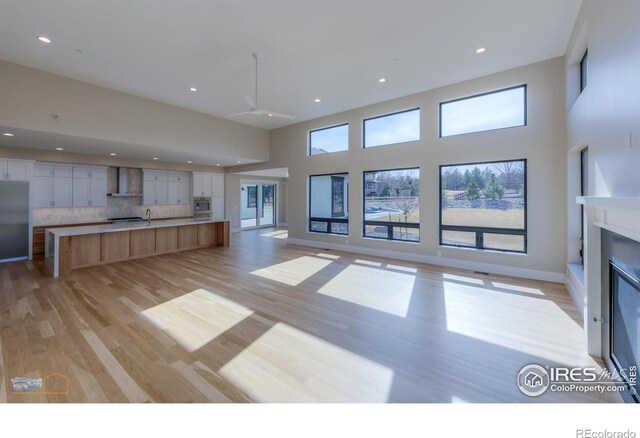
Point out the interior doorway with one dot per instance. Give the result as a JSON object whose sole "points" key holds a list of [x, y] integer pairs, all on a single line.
{"points": [[258, 202]]}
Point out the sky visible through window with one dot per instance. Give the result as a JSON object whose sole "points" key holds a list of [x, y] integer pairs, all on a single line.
{"points": [[326, 141], [502, 109], [395, 128]]}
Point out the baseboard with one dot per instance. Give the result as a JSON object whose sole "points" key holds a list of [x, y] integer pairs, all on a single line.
{"points": [[576, 290], [555, 277]]}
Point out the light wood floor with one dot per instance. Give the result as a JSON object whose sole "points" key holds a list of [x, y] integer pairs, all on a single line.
{"points": [[265, 321]]}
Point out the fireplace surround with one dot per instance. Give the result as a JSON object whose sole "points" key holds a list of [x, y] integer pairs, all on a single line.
{"points": [[611, 240]]}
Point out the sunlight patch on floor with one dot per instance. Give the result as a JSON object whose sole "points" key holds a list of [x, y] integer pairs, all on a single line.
{"points": [[294, 271], [278, 234], [327, 256], [529, 290], [367, 262], [378, 289], [288, 365], [528, 324], [402, 268], [462, 279], [196, 318]]}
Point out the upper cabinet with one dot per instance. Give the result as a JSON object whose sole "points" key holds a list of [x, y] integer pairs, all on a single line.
{"points": [[89, 186], [59, 185], [208, 184], [166, 188], [52, 185], [11, 170]]}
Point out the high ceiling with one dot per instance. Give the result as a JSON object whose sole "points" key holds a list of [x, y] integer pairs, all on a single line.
{"points": [[332, 50]]}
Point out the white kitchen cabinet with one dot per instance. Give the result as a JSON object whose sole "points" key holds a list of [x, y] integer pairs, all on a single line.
{"points": [[217, 206], [217, 184], [155, 189], [178, 192], [98, 191], [208, 184], [202, 184], [89, 186], [89, 172], [14, 170], [42, 191], [89, 192], [52, 185], [61, 192]]}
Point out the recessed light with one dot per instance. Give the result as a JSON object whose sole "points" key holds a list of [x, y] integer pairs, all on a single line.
{"points": [[112, 154], [317, 101], [154, 158], [239, 162], [193, 89], [217, 164], [189, 161], [59, 149], [382, 80], [7, 134], [270, 115], [481, 50], [44, 39]]}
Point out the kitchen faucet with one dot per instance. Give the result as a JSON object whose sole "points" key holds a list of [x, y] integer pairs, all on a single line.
{"points": [[148, 217]]}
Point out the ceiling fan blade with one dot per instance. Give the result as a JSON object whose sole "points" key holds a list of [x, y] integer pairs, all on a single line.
{"points": [[280, 115], [249, 101], [240, 114]]}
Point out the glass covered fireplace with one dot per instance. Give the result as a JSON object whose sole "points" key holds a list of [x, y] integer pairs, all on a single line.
{"points": [[624, 330]]}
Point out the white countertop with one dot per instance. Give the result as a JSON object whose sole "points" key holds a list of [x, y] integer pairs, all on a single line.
{"points": [[113, 228]]}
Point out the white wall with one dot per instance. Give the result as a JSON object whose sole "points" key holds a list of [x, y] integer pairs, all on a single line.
{"points": [[541, 143], [608, 110], [30, 97]]}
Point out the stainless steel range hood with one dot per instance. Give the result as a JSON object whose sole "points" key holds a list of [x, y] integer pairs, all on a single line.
{"points": [[124, 189]]}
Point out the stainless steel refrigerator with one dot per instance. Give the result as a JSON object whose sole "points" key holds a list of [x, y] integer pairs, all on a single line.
{"points": [[14, 220]]}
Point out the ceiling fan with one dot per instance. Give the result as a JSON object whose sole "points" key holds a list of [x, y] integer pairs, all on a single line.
{"points": [[254, 109]]}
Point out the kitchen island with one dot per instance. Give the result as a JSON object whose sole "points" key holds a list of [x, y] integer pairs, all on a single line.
{"points": [[79, 247]]}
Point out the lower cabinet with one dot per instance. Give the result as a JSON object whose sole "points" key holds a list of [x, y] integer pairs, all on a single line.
{"points": [[143, 242], [188, 237], [115, 246], [166, 239]]}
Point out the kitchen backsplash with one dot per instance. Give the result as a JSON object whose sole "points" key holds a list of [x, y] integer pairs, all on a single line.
{"points": [[116, 207]]}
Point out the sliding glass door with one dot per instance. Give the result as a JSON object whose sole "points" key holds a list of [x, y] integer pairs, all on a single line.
{"points": [[258, 202]]}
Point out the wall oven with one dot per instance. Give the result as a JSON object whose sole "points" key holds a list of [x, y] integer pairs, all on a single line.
{"points": [[201, 206]]}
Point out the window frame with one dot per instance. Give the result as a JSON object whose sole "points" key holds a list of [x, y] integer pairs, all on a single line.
{"points": [[480, 231], [526, 110], [328, 220], [311, 131], [364, 127], [584, 71], [389, 225]]}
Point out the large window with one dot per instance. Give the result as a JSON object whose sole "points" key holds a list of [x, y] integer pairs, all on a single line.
{"points": [[393, 128], [392, 204], [484, 205], [327, 140], [484, 112], [328, 203], [584, 70]]}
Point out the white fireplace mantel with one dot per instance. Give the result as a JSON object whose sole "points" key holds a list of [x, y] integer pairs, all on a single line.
{"points": [[620, 215]]}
